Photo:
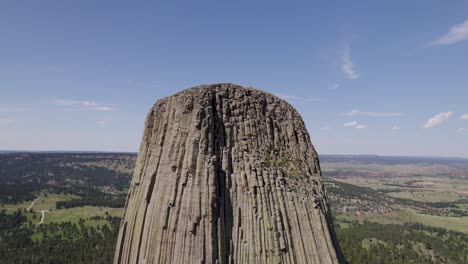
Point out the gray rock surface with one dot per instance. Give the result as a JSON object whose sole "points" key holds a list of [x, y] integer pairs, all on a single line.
{"points": [[226, 174]]}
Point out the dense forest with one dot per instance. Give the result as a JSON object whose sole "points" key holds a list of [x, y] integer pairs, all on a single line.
{"points": [[67, 169], [408, 243], [96, 175], [115, 202], [17, 193], [65, 242]]}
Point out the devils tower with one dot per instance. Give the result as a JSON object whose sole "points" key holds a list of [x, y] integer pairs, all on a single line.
{"points": [[226, 174]]}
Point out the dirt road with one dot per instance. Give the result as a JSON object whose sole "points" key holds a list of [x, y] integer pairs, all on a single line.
{"points": [[33, 203], [43, 216]]}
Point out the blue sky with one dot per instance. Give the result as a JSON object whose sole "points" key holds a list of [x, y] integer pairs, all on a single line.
{"points": [[386, 78]]}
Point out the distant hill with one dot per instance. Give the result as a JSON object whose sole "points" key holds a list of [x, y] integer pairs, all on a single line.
{"points": [[24, 173], [376, 159]]}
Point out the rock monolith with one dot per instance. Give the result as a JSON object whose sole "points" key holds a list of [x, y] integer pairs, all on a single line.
{"points": [[226, 174]]}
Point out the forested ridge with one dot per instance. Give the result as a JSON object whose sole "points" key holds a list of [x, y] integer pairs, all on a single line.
{"points": [[67, 169], [99, 179]]}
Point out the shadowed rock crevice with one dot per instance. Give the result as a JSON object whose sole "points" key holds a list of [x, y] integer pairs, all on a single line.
{"points": [[223, 212], [226, 174]]}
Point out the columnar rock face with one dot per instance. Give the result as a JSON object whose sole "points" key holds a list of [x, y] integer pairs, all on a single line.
{"points": [[226, 174]]}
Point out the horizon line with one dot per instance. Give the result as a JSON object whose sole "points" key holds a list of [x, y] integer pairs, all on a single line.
{"points": [[136, 152]]}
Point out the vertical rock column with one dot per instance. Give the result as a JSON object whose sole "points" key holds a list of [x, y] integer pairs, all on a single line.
{"points": [[226, 174]]}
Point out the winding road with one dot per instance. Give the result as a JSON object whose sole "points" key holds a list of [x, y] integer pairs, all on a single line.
{"points": [[33, 203], [43, 216], [42, 211]]}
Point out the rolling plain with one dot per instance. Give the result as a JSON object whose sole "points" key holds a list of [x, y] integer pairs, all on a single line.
{"points": [[386, 209]]}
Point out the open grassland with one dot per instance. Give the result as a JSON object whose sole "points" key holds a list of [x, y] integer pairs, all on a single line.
{"points": [[43, 202], [378, 166], [52, 214], [426, 195], [74, 214], [404, 215], [393, 169], [380, 214], [441, 184], [442, 187]]}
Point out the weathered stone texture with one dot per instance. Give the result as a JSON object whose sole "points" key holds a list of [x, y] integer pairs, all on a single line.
{"points": [[226, 174]]}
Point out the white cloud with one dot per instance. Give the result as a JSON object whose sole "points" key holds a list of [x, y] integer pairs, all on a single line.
{"points": [[438, 119], [456, 34], [325, 128], [464, 117], [351, 124], [347, 65], [462, 129], [88, 105], [372, 114], [297, 99], [355, 125], [334, 86], [396, 128], [103, 108]]}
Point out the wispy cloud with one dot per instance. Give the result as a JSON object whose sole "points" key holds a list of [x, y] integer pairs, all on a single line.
{"points": [[355, 125], [464, 117], [456, 34], [438, 119], [87, 105], [297, 99], [396, 128], [347, 65], [325, 128], [372, 114], [462, 129], [334, 86], [350, 124]]}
